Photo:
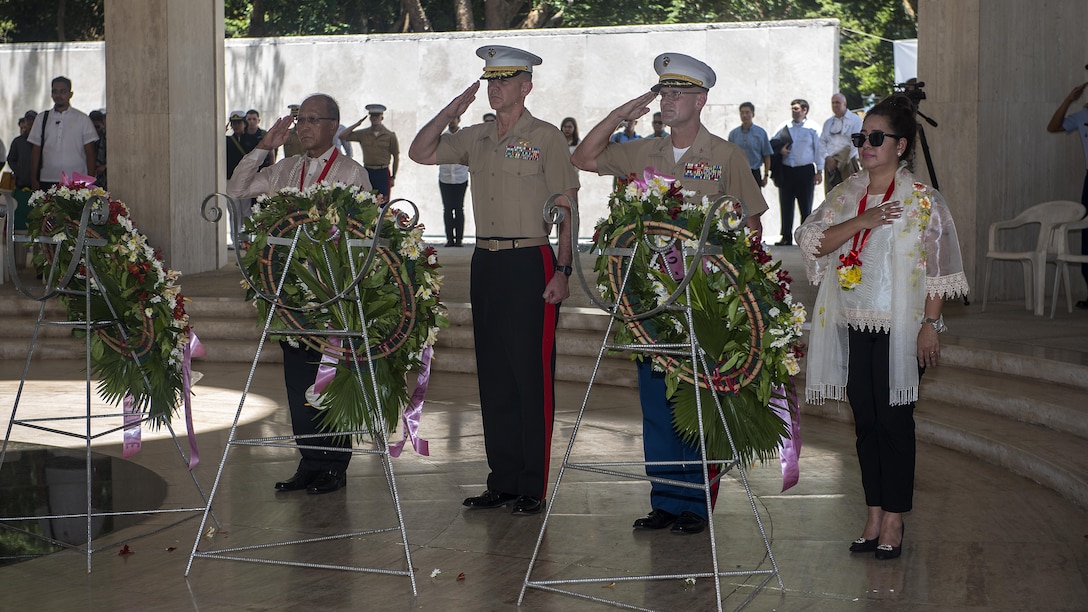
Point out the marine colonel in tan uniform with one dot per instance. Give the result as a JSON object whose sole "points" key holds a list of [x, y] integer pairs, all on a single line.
{"points": [[709, 166], [379, 145], [517, 283]]}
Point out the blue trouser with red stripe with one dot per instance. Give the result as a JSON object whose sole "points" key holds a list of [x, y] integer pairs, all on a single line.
{"points": [[660, 442], [514, 331]]}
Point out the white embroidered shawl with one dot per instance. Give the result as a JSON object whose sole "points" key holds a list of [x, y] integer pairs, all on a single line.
{"points": [[902, 264]]}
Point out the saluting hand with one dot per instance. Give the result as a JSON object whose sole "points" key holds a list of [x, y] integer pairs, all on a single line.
{"points": [[277, 134], [636, 108], [460, 104]]}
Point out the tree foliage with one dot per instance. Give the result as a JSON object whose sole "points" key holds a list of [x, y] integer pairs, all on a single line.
{"points": [[866, 59]]}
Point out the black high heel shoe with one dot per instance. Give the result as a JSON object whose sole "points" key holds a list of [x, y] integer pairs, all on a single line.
{"points": [[886, 552], [861, 545]]}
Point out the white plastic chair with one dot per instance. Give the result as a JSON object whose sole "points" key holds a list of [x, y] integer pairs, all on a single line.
{"points": [[1062, 259], [1049, 215]]}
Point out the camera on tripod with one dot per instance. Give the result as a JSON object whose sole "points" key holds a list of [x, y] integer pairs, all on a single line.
{"points": [[912, 89]]}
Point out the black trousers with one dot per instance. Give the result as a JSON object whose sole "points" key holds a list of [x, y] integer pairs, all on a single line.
{"points": [[453, 209], [514, 331], [885, 433], [796, 185], [299, 370], [379, 180]]}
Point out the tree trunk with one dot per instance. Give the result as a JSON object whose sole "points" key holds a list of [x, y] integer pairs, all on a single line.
{"points": [[499, 14], [537, 18], [463, 11], [417, 17], [61, 5], [257, 24]]}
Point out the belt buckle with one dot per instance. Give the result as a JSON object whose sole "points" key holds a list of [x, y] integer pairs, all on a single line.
{"points": [[492, 245]]}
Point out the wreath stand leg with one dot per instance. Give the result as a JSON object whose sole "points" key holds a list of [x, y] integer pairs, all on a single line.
{"points": [[92, 517], [628, 469], [354, 338]]}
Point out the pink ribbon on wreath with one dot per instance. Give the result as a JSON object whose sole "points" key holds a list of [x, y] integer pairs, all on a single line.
{"points": [[77, 179], [132, 440], [790, 446], [414, 411], [193, 348], [649, 174], [327, 370]]}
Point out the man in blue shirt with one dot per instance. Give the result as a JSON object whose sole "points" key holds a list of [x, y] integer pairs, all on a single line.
{"points": [[802, 166], [753, 140], [1075, 122]]}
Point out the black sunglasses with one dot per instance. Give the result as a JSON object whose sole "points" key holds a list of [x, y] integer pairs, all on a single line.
{"points": [[875, 138]]}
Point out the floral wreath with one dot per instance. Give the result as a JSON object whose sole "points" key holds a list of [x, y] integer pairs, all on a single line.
{"points": [[143, 356], [331, 227], [746, 321]]}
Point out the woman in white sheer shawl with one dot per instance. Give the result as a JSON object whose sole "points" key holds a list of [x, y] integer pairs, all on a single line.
{"points": [[883, 249]]}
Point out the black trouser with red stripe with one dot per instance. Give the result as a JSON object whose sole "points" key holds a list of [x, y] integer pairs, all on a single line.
{"points": [[514, 330]]}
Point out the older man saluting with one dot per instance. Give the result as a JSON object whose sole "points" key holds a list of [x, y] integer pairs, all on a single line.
{"points": [[709, 166], [318, 120], [516, 281]]}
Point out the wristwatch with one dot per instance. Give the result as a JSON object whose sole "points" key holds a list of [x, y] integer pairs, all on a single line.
{"points": [[565, 270], [938, 324]]}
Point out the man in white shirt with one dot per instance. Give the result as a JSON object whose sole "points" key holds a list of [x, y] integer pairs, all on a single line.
{"points": [[840, 156], [453, 183], [318, 121], [63, 140]]}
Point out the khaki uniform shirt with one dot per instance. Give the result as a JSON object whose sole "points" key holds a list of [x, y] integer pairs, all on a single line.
{"points": [[378, 147], [711, 167], [511, 179], [250, 180]]}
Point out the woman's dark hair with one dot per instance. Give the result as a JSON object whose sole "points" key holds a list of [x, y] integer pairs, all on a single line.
{"points": [[573, 135], [900, 113]]}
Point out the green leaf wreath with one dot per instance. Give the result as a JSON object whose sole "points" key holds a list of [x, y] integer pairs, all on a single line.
{"points": [[743, 315], [141, 355], [332, 228]]}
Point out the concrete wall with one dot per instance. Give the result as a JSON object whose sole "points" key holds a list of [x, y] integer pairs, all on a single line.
{"points": [[995, 72], [586, 73]]}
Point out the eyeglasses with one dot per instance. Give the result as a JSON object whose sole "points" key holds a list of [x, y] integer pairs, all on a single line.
{"points": [[312, 120], [875, 138], [674, 94], [658, 122]]}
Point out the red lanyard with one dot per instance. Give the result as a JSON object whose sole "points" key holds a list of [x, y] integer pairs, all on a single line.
{"points": [[853, 257], [332, 158]]}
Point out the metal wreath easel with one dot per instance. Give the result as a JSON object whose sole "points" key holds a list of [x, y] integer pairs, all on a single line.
{"points": [[95, 213], [692, 261], [346, 297]]}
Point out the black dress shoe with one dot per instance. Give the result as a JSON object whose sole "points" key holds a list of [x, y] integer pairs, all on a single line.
{"points": [[689, 523], [784, 242], [861, 545], [1083, 304], [298, 482], [886, 552], [489, 499], [528, 505], [656, 519], [327, 482], [450, 243]]}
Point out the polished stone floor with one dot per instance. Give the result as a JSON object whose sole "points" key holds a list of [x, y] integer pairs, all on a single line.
{"points": [[978, 539]]}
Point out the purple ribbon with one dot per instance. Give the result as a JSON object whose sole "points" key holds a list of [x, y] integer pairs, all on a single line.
{"points": [[790, 446], [327, 370], [132, 443], [192, 349], [414, 411]]}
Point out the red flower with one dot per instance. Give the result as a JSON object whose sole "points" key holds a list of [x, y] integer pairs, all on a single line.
{"points": [[675, 211]]}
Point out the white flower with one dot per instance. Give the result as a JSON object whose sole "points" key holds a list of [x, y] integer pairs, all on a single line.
{"points": [[793, 366], [435, 572]]}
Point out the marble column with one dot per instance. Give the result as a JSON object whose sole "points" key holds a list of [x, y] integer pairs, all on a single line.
{"points": [[164, 93]]}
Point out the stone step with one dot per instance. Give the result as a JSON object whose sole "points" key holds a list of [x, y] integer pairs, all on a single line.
{"points": [[1054, 459]]}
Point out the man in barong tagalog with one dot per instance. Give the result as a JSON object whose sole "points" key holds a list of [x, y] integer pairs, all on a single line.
{"points": [[318, 119], [711, 167]]}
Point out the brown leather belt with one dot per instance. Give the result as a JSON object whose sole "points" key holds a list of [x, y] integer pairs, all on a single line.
{"points": [[505, 245]]}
